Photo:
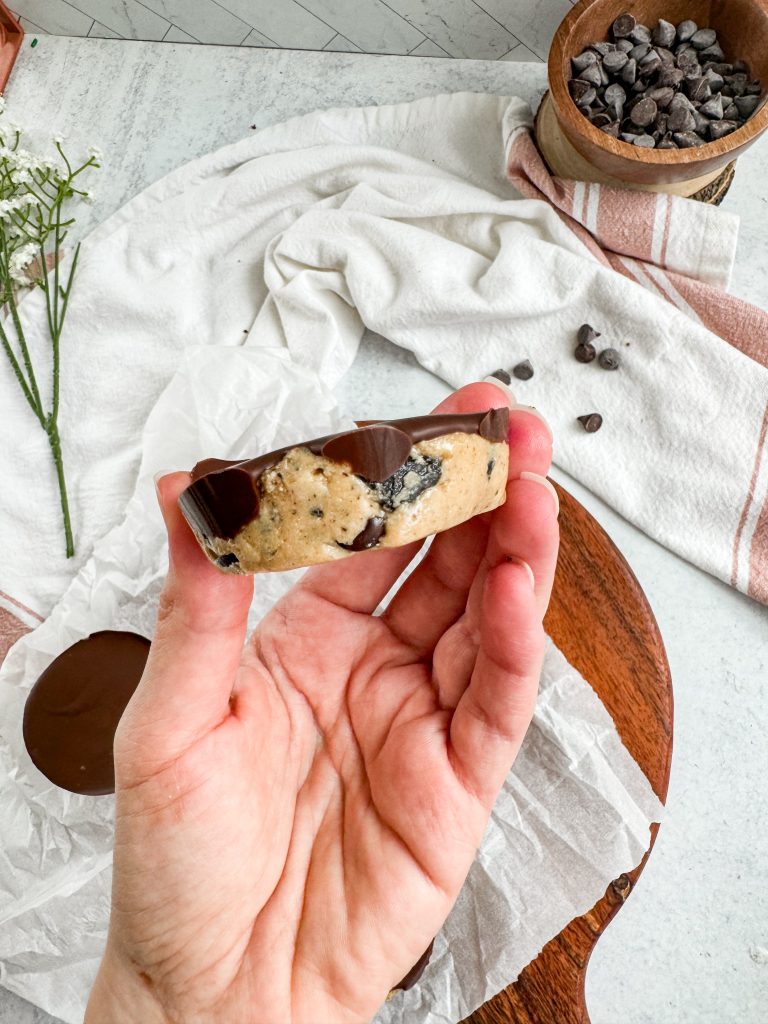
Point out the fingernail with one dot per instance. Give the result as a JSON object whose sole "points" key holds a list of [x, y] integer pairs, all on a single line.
{"points": [[530, 411], [544, 483], [510, 394], [528, 569]]}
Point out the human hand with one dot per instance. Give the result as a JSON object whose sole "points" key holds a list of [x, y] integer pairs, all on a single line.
{"points": [[295, 818]]}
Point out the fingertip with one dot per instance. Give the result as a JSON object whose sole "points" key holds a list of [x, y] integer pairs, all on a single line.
{"points": [[474, 398]]}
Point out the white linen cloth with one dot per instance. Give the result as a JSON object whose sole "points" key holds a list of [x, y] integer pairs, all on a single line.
{"points": [[401, 219]]}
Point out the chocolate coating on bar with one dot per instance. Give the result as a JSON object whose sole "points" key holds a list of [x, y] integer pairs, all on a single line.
{"points": [[73, 709], [224, 496]]}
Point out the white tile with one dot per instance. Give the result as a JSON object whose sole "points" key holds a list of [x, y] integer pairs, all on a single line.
{"points": [[255, 38], [128, 18], [203, 19], [428, 49], [99, 31], [532, 21], [340, 44], [369, 24], [287, 22], [30, 28], [460, 27], [55, 16], [175, 35], [522, 53]]}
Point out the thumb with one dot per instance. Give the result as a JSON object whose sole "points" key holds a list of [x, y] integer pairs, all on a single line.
{"points": [[198, 642]]}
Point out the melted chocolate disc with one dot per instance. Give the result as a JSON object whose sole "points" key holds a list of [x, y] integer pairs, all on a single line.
{"points": [[73, 709]]}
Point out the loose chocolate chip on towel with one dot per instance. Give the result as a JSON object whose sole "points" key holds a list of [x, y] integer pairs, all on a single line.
{"points": [[591, 421], [502, 375], [524, 370], [585, 353], [609, 359]]}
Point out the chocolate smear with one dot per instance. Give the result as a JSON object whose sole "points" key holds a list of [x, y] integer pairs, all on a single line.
{"points": [[73, 710]]}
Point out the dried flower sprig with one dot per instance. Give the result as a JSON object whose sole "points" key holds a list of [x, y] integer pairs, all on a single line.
{"points": [[33, 193]]}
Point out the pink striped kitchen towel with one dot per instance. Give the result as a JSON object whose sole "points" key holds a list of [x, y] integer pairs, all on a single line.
{"points": [[656, 240]]}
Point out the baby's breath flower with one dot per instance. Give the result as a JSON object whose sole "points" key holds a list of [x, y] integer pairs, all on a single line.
{"points": [[19, 261], [88, 197], [59, 139], [95, 154]]}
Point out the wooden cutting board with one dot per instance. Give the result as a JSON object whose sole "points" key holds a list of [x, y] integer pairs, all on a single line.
{"points": [[601, 621]]}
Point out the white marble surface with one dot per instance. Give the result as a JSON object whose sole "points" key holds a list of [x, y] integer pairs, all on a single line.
{"points": [[684, 949]]}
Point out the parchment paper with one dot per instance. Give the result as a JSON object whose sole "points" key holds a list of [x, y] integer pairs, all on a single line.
{"points": [[574, 812]]}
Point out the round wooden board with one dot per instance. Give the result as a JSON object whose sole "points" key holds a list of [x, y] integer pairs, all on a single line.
{"points": [[601, 621]]}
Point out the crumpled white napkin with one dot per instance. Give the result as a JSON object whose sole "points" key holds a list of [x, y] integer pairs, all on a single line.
{"points": [[574, 812]]}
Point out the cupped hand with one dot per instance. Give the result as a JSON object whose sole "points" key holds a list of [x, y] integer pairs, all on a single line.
{"points": [[295, 817]]}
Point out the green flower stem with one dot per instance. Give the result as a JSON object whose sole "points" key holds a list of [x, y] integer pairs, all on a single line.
{"points": [[52, 430]]}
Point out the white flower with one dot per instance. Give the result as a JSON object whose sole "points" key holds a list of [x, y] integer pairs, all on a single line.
{"points": [[59, 139], [19, 261], [14, 128], [22, 177], [95, 154], [88, 197]]}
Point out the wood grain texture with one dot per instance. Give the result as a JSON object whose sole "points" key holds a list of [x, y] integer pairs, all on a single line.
{"points": [[742, 27], [601, 621]]}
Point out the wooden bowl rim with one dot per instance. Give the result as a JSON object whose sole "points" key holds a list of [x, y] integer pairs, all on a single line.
{"points": [[568, 110]]}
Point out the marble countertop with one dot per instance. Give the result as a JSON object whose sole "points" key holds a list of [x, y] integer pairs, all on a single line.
{"points": [[686, 947]]}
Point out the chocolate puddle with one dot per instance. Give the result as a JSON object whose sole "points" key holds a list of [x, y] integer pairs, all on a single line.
{"points": [[73, 709]]}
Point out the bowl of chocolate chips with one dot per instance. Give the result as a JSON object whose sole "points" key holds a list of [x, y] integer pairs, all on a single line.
{"points": [[660, 95]]}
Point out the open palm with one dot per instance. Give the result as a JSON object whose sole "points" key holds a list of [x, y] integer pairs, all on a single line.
{"points": [[296, 817]]}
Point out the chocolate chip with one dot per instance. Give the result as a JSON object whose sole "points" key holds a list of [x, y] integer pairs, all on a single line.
{"points": [[687, 139], [731, 112], [614, 62], [586, 333], [609, 359], [681, 118], [602, 48], [713, 108], [640, 34], [643, 112], [583, 61], [712, 53], [629, 72], [489, 468], [585, 353], [591, 421], [703, 38], [317, 513], [746, 105], [716, 81], [686, 30], [226, 560], [502, 375], [578, 89], [717, 129], [524, 370], [645, 141], [587, 98], [591, 74], [671, 77], [698, 89], [666, 143], [742, 66], [625, 45], [661, 96], [623, 26], [611, 129], [615, 94], [664, 33], [639, 51], [369, 536]]}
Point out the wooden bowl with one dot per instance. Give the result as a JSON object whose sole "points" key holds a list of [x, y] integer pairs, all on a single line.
{"points": [[742, 28]]}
